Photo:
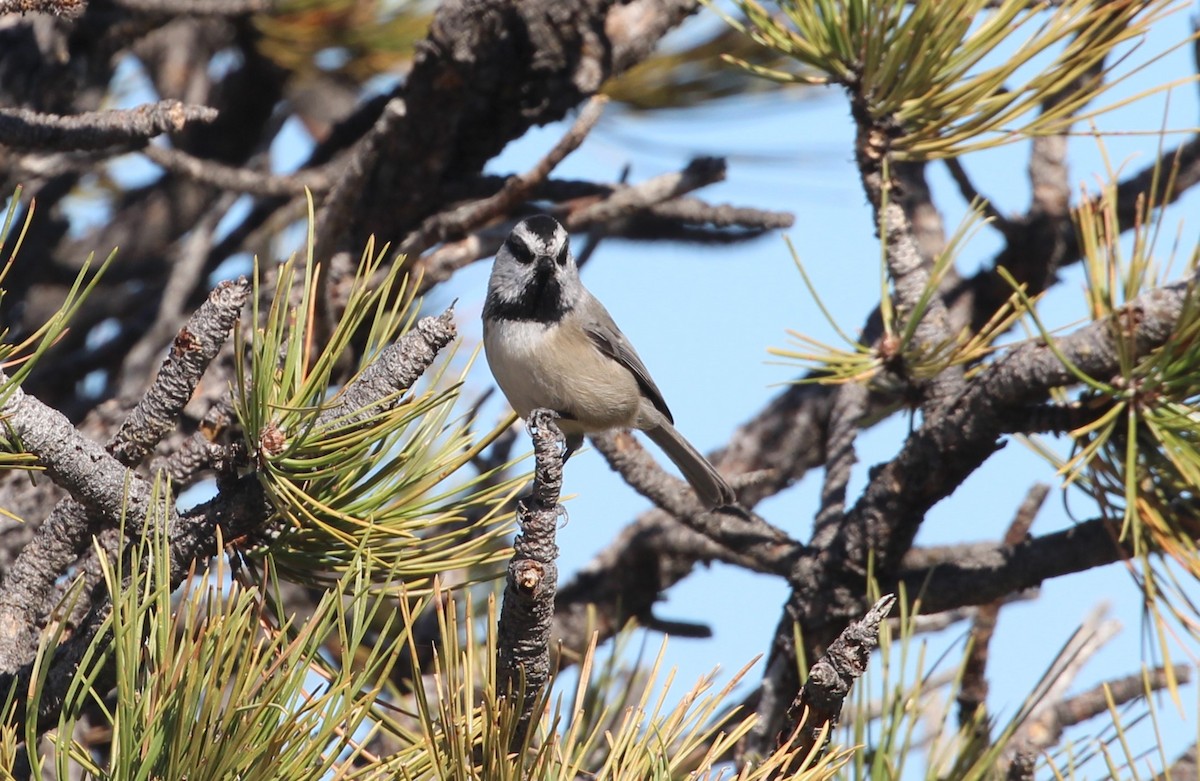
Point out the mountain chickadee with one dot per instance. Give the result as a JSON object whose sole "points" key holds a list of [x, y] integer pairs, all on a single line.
{"points": [[552, 345]]}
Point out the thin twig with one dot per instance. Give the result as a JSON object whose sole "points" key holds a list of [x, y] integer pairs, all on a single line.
{"points": [[596, 233], [744, 539], [185, 276], [973, 690], [971, 195], [242, 180], [458, 221], [623, 203], [849, 405], [197, 7], [1095, 701]]}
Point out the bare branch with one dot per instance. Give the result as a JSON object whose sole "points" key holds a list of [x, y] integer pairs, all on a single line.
{"points": [[336, 209], [623, 203], [973, 690], [69, 9], [971, 195], [185, 277], [1095, 701], [849, 404], [988, 572], [815, 711], [456, 222], [195, 346], [242, 180], [745, 540], [523, 651], [197, 7], [97, 129]]}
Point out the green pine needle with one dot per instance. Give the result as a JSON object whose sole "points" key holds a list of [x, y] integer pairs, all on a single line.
{"points": [[392, 475], [920, 73]]}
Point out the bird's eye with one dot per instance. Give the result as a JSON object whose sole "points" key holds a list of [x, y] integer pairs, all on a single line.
{"points": [[520, 251], [562, 254]]}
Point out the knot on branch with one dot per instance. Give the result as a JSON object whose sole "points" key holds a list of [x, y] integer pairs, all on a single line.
{"points": [[528, 575]]}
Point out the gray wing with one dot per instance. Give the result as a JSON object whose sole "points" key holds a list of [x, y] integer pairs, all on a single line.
{"points": [[609, 340]]}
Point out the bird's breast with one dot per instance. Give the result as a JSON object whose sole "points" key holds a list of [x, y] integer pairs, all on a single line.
{"points": [[558, 368]]}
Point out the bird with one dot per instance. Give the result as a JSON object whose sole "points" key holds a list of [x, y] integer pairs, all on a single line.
{"points": [[552, 345]]}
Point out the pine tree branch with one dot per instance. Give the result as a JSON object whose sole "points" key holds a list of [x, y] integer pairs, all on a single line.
{"points": [[241, 179], [102, 491], [908, 267], [523, 635], [743, 540], [973, 691], [952, 442], [849, 404], [472, 89], [380, 386], [783, 441], [239, 509], [623, 203], [23, 128], [1068, 712], [980, 574], [818, 706], [455, 222], [971, 194]]}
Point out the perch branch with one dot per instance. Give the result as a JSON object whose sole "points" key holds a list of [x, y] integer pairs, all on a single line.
{"points": [[523, 636]]}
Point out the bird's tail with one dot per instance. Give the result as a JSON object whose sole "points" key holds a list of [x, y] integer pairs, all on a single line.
{"points": [[712, 489]]}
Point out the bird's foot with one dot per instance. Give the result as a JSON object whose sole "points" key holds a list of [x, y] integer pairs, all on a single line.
{"points": [[542, 418]]}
